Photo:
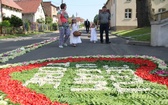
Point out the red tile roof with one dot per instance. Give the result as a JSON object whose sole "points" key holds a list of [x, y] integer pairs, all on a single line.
{"points": [[11, 3], [29, 6], [78, 19]]}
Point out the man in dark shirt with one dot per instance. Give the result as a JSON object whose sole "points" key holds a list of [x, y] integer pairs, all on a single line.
{"points": [[87, 25], [104, 21]]}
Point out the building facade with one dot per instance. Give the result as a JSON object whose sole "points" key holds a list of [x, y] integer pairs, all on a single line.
{"points": [[32, 10], [123, 12], [51, 11], [9, 8]]}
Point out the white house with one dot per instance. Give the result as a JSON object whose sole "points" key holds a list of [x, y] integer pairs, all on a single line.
{"points": [[9, 8], [32, 10]]}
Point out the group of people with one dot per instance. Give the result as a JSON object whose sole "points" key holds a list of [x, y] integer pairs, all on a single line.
{"points": [[66, 33]]}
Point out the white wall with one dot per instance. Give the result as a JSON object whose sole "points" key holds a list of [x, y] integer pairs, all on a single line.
{"points": [[113, 14], [157, 4], [55, 20], [117, 8], [159, 34], [39, 14], [29, 17], [121, 5], [7, 12]]}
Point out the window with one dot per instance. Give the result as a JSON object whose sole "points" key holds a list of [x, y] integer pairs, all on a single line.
{"points": [[127, 1], [162, 9], [128, 13], [153, 10]]}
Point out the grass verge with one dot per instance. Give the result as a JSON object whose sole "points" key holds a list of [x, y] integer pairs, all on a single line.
{"points": [[138, 34], [22, 35]]}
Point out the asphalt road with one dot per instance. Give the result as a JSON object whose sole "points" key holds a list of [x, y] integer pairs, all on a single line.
{"points": [[118, 46]]}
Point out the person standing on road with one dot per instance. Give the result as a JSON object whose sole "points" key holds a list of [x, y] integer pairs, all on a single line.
{"points": [[74, 40], [63, 24], [104, 21], [93, 33], [87, 25]]}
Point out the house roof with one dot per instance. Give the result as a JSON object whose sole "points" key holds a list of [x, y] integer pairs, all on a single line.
{"points": [[78, 19], [45, 2], [11, 3], [29, 6]]}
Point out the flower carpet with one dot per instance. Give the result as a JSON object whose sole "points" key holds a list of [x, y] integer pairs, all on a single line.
{"points": [[86, 80], [4, 57]]}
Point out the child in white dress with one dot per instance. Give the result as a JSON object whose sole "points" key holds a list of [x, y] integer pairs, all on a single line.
{"points": [[93, 33], [74, 39]]}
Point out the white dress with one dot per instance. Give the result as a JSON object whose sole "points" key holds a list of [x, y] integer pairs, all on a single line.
{"points": [[93, 34], [73, 39]]}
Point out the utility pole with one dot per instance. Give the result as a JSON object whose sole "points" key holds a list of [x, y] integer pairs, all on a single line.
{"points": [[76, 14], [62, 1]]}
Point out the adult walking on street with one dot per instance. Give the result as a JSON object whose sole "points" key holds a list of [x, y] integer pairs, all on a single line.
{"points": [[87, 25], [104, 21], [64, 29]]}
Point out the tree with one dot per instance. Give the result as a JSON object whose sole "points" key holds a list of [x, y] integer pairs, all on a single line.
{"points": [[96, 19], [48, 20], [16, 21], [144, 12], [40, 20], [4, 24], [73, 16], [150, 11]]}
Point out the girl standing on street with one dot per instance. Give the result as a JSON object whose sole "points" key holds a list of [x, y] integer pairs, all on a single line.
{"points": [[93, 33], [74, 40]]}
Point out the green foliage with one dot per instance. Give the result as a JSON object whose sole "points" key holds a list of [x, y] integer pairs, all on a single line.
{"points": [[54, 26], [48, 20], [73, 16], [69, 20], [6, 18], [20, 35], [27, 25], [15, 21], [81, 25], [96, 19], [41, 20], [5, 23]]}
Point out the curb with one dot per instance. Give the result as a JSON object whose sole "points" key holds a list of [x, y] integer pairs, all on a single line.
{"points": [[134, 42]]}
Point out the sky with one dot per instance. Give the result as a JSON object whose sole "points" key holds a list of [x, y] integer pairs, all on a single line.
{"points": [[86, 9]]}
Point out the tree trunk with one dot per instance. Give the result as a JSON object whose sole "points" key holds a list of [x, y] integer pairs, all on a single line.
{"points": [[150, 11], [142, 13]]}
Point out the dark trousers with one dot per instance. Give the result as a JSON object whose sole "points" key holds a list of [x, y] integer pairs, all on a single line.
{"points": [[87, 29], [104, 27]]}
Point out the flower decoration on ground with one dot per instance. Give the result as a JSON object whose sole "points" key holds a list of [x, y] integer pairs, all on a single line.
{"points": [[86, 80], [4, 57]]}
